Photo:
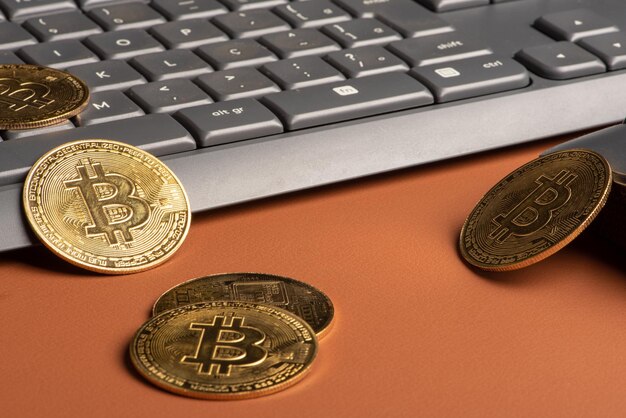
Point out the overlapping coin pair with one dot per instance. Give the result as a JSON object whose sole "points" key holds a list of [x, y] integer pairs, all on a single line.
{"points": [[536, 210], [102, 205], [232, 336]]}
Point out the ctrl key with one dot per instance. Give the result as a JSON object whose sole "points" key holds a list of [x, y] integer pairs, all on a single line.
{"points": [[230, 121]]}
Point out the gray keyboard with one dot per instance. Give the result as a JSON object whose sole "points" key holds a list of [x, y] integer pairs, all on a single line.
{"points": [[245, 99]]}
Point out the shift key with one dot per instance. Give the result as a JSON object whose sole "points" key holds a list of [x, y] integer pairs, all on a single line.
{"points": [[229, 121], [348, 99]]}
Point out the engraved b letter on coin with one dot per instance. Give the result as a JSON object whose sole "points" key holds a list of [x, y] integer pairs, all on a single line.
{"points": [[536, 210], [225, 344], [21, 95], [111, 201]]}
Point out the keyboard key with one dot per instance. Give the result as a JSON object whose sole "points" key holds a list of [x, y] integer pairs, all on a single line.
{"points": [[62, 26], [23, 133], [187, 34], [123, 44], [573, 25], [361, 32], [298, 43], [437, 48], [107, 75], [560, 61], [610, 48], [126, 16], [237, 53], [107, 106], [238, 83], [250, 24], [472, 77], [189, 9], [231, 121], [90, 4], [19, 10], [301, 72], [405, 16], [168, 96], [158, 134], [366, 61], [13, 36], [447, 5], [60, 54], [311, 14], [349, 99], [8, 57], [252, 4], [170, 64]]}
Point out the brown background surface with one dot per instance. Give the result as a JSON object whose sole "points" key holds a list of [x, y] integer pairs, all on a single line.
{"points": [[417, 332]]}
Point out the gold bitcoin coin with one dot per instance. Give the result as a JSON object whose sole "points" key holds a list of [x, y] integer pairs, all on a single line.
{"points": [[106, 206], [536, 210], [224, 350], [32, 96], [299, 298]]}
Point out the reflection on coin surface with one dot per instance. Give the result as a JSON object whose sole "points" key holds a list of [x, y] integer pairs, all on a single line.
{"points": [[32, 96], [224, 350], [536, 210], [106, 206], [300, 298]]}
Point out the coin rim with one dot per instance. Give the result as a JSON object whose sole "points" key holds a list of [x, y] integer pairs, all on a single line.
{"points": [[556, 247], [221, 396], [90, 267], [321, 334], [53, 120]]}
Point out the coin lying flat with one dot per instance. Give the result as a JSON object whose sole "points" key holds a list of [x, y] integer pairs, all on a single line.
{"points": [[536, 210], [106, 206], [224, 350], [32, 96], [300, 298]]}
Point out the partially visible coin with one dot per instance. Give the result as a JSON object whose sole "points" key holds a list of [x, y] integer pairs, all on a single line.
{"points": [[536, 210], [106, 206], [32, 96], [300, 298], [224, 350]]}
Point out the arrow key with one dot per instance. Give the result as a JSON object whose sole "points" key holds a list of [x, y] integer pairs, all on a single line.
{"points": [[610, 48], [573, 25], [560, 61]]}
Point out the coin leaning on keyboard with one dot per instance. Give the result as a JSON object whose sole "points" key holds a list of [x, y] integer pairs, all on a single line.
{"points": [[536, 210], [106, 206]]}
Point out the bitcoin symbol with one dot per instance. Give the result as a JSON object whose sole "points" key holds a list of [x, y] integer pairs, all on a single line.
{"points": [[111, 203], [536, 210], [225, 344], [21, 95]]}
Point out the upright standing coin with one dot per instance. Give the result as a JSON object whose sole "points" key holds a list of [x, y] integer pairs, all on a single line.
{"points": [[536, 210], [300, 298], [224, 350], [32, 96], [106, 206]]}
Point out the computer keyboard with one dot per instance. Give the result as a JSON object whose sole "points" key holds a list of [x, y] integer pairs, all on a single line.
{"points": [[245, 99]]}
